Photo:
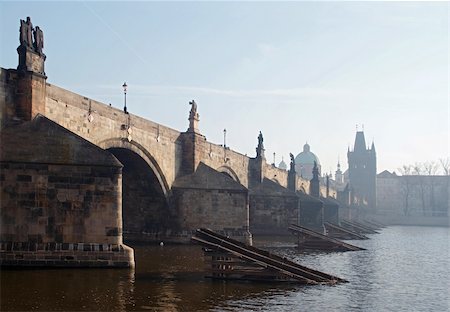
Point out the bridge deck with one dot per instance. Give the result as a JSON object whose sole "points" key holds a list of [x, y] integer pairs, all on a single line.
{"points": [[309, 239], [231, 259]]}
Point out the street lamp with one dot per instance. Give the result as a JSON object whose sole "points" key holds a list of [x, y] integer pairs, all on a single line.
{"points": [[224, 138], [124, 86]]}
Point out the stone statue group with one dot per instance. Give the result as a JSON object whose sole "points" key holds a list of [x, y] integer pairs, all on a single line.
{"points": [[27, 32]]}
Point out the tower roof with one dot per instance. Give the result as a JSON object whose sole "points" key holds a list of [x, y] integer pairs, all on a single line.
{"points": [[338, 170], [360, 142], [306, 157]]}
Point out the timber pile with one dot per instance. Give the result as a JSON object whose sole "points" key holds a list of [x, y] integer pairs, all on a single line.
{"points": [[231, 259], [308, 239], [357, 227], [339, 232]]}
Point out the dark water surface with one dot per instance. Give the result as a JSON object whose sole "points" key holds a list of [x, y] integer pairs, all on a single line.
{"points": [[404, 269]]}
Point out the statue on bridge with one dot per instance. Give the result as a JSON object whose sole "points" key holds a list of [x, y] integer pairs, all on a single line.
{"points": [[193, 113], [292, 166], [38, 40], [260, 149], [28, 48], [27, 32], [193, 118]]}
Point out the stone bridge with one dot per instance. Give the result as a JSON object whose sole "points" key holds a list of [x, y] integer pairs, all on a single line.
{"points": [[170, 182]]}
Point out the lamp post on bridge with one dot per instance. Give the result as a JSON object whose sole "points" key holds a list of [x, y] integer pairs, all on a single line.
{"points": [[225, 145], [124, 86], [224, 138]]}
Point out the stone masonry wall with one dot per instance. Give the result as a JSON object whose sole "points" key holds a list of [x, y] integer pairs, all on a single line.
{"points": [[66, 255], [61, 215], [272, 215], [72, 112], [7, 89], [105, 126], [224, 159], [44, 203], [222, 211]]}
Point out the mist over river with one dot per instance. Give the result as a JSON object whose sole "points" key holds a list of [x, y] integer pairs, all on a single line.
{"points": [[403, 269]]}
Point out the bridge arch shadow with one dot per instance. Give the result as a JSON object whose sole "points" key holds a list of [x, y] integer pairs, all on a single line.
{"points": [[229, 172], [145, 207]]}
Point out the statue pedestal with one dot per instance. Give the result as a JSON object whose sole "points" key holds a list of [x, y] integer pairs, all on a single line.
{"points": [[193, 124], [30, 101], [30, 61]]}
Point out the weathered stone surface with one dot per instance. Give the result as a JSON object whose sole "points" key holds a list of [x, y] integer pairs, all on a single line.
{"points": [[57, 189], [45, 142], [272, 209], [330, 210], [311, 212], [55, 255], [208, 198]]}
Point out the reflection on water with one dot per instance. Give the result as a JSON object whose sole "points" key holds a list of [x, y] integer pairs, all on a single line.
{"points": [[403, 269]]}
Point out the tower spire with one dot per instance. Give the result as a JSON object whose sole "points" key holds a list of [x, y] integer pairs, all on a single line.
{"points": [[314, 186]]}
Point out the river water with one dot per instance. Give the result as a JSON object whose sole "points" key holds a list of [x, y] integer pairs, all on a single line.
{"points": [[403, 269]]}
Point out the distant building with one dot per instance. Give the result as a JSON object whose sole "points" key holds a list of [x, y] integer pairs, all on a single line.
{"points": [[389, 200], [339, 182], [282, 165], [304, 163], [362, 171], [413, 195]]}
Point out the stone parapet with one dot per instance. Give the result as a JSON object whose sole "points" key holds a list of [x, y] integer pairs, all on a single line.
{"points": [[15, 254]]}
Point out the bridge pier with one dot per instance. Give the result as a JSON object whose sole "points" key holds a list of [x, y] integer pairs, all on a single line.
{"points": [[61, 200]]}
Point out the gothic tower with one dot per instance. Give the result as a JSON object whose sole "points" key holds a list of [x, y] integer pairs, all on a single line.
{"points": [[362, 169]]}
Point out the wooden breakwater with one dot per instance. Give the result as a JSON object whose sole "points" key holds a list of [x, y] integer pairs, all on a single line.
{"points": [[309, 239], [339, 232], [233, 260]]}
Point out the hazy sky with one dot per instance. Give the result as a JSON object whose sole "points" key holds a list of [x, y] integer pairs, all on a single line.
{"points": [[297, 71]]}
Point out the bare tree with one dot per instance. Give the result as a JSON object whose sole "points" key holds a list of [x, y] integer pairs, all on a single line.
{"points": [[430, 167], [445, 164]]}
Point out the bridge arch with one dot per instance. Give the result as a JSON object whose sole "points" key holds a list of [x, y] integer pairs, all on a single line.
{"points": [[302, 189], [145, 205], [229, 172], [276, 181], [141, 151]]}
